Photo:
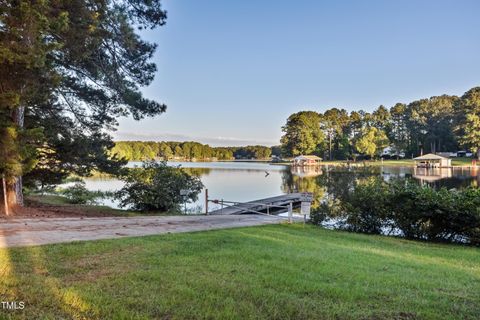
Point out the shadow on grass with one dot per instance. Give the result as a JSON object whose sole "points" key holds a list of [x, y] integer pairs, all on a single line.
{"points": [[27, 277]]}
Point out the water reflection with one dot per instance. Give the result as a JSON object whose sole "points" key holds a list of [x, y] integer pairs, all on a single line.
{"points": [[306, 172], [336, 182], [198, 172], [292, 182], [447, 177], [249, 181], [431, 174]]}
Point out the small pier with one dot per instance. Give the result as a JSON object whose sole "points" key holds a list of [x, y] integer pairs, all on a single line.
{"points": [[267, 205]]}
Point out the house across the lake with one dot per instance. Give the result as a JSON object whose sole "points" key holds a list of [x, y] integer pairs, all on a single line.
{"points": [[432, 160], [303, 161]]}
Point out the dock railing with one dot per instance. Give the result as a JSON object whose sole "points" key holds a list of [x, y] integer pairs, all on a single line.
{"points": [[263, 206]]}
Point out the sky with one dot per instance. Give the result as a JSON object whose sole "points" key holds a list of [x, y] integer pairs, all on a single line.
{"points": [[231, 72]]}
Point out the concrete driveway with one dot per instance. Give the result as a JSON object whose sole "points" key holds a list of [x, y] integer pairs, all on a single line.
{"points": [[31, 231]]}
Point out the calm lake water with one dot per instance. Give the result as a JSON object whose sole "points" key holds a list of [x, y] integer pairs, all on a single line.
{"points": [[246, 181]]}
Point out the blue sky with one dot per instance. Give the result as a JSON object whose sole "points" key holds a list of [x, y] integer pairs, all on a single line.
{"points": [[231, 72]]}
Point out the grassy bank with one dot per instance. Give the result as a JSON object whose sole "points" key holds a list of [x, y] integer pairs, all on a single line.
{"points": [[461, 162], [274, 272], [54, 203], [456, 162], [401, 163]]}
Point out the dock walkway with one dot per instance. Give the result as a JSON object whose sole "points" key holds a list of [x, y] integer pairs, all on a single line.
{"points": [[260, 205]]}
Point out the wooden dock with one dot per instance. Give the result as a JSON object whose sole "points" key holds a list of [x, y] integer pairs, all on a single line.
{"points": [[261, 205]]}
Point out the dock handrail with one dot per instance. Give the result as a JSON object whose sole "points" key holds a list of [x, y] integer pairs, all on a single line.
{"points": [[285, 201], [216, 201], [251, 210]]}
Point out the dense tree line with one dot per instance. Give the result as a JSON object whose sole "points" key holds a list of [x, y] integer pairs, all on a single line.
{"points": [[68, 70], [189, 150], [438, 124]]}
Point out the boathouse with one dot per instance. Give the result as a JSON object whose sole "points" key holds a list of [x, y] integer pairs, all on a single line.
{"points": [[302, 161], [431, 160]]}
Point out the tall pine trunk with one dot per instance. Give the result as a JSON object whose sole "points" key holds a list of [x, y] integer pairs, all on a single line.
{"points": [[15, 189], [15, 193]]}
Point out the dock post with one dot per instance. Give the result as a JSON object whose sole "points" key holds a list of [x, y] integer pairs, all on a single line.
{"points": [[290, 212], [268, 209], [206, 202]]}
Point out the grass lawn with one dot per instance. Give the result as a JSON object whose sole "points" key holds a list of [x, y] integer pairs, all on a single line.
{"points": [[48, 199], [462, 161], [401, 162], [457, 162], [60, 202], [276, 272]]}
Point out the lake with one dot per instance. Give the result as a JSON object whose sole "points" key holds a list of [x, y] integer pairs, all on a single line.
{"points": [[246, 181]]}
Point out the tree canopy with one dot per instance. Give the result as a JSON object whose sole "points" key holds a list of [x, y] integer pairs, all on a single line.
{"points": [[188, 150], [437, 124], [302, 133], [371, 141], [68, 70], [468, 128]]}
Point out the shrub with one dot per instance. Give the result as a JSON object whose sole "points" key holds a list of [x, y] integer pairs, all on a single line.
{"points": [[417, 212], [436, 215], [156, 186], [79, 194], [367, 207], [328, 209]]}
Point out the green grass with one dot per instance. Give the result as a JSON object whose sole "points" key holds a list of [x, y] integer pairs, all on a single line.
{"points": [[402, 162], [85, 210], [459, 162], [462, 162], [274, 272], [48, 199]]}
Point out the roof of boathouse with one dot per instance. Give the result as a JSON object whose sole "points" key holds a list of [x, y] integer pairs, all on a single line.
{"points": [[430, 156], [302, 157]]}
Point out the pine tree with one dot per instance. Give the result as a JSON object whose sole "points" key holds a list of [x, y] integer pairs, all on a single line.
{"points": [[468, 117], [26, 77], [70, 69]]}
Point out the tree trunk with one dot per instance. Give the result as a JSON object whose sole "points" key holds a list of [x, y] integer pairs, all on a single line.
{"points": [[11, 196], [4, 196], [15, 194], [330, 147], [478, 154], [18, 190]]}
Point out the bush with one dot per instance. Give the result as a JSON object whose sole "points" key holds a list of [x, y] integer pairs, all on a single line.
{"points": [[368, 207], [329, 209], [436, 215], [417, 212], [157, 186], [79, 194]]}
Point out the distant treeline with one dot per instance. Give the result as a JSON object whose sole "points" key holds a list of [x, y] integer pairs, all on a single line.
{"points": [[189, 150], [437, 124]]}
